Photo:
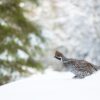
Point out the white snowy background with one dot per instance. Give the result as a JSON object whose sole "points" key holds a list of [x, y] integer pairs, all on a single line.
{"points": [[71, 26]]}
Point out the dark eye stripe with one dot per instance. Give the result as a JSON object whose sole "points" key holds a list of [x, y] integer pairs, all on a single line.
{"points": [[59, 58]]}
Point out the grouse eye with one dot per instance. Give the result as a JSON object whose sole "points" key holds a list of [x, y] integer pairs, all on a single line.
{"points": [[59, 58]]}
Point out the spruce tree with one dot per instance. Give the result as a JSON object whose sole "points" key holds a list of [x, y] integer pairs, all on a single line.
{"points": [[15, 31]]}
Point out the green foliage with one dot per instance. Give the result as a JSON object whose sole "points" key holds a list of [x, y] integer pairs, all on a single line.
{"points": [[14, 35]]}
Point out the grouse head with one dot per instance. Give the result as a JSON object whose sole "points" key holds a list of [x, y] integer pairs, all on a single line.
{"points": [[58, 55]]}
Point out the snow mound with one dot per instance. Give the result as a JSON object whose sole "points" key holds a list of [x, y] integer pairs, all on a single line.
{"points": [[53, 85]]}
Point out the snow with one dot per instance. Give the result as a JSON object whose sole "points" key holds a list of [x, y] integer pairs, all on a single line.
{"points": [[53, 85]]}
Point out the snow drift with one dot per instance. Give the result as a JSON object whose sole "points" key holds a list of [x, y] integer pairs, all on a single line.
{"points": [[53, 85]]}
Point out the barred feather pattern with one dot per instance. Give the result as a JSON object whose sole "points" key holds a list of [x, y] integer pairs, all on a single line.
{"points": [[80, 68]]}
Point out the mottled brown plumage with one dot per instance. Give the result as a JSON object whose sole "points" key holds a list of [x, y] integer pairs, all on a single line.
{"points": [[80, 68]]}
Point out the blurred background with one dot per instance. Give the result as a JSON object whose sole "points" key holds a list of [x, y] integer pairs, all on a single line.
{"points": [[32, 30]]}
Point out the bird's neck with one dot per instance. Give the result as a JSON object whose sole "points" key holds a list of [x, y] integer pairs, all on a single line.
{"points": [[64, 59]]}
